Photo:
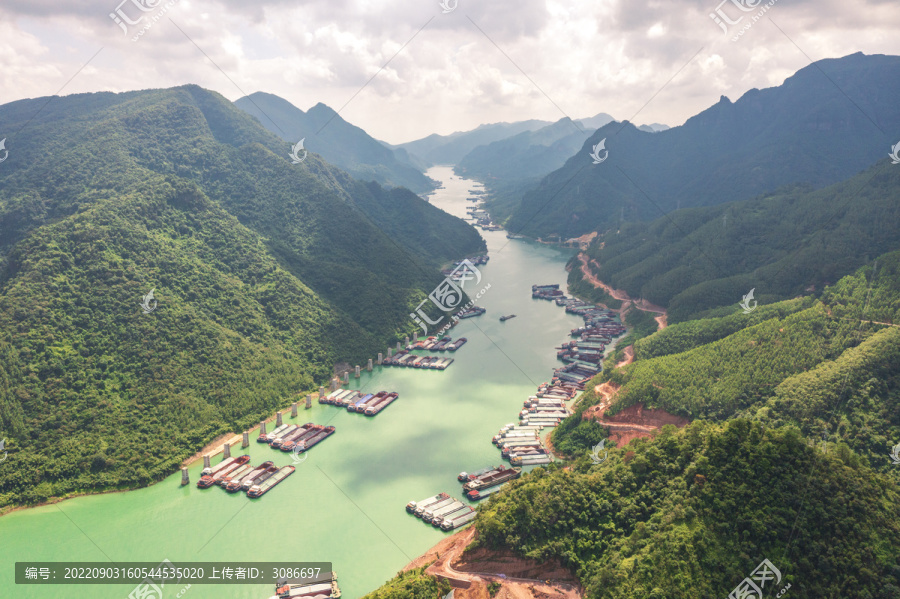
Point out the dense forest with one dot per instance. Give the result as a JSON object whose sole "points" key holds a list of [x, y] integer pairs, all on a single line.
{"points": [[825, 366], [265, 274], [781, 245]]}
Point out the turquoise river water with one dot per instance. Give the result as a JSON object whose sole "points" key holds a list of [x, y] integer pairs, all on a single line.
{"points": [[345, 503]]}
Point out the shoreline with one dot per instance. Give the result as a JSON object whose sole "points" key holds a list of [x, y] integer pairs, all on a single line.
{"points": [[213, 448]]}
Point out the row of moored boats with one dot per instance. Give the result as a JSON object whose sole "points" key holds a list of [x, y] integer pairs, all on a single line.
{"points": [[435, 344], [410, 360], [237, 474], [296, 438], [369, 404]]}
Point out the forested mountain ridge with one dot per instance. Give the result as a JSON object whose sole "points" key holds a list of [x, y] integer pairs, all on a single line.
{"points": [[337, 141], [824, 124], [265, 274], [792, 363], [782, 245]]}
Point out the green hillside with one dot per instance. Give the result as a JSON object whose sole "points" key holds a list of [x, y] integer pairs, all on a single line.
{"points": [[266, 274], [781, 245], [821, 366]]}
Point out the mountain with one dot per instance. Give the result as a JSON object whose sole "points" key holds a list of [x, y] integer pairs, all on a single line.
{"points": [[782, 245], [595, 122], [263, 274], [654, 128], [529, 154], [453, 148], [337, 141], [792, 363], [450, 149], [815, 129]]}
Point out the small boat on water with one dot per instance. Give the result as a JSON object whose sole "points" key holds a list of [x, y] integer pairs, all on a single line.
{"points": [[505, 318]]}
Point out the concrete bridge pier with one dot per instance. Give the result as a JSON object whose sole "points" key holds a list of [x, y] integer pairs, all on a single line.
{"points": [[245, 440], [185, 479]]}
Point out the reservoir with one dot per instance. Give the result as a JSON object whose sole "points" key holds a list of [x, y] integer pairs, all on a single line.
{"points": [[345, 503]]}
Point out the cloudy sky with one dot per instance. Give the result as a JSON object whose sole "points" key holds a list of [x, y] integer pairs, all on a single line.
{"points": [[483, 61]]}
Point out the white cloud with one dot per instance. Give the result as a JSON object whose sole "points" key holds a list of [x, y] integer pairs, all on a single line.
{"points": [[589, 56]]}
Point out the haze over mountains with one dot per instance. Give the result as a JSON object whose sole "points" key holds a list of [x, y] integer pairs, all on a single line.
{"points": [[530, 154], [340, 143], [826, 123]]}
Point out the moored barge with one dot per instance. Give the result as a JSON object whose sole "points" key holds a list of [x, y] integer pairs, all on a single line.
{"points": [[318, 437], [235, 483], [266, 485], [221, 469], [412, 505], [459, 520]]}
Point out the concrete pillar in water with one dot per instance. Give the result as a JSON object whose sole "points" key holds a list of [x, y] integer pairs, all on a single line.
{"points": [[398, 346], [278, 419], [294, 409], [347, 378], [245, 441], [369, 365], [321, 391], [334, 384], [390, 353], [356, 371], [185, 479], [226, 451], [262, 427], [206, 461], [405, 341], [380, 358], [309, 401]]}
